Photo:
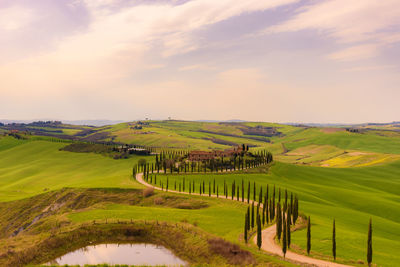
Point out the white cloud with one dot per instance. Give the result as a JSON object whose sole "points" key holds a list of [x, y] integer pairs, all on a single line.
{"points": [[117, 41], [355, 53], [355, 22], [15, 18], [370, 68]]}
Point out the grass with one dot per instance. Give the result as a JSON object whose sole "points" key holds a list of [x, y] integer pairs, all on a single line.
{"points": [[33, 167], [80, 217], [350, 195]]}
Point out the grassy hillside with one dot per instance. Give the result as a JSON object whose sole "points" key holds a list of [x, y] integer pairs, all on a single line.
{"points": [[350, 195], [32, 167]]}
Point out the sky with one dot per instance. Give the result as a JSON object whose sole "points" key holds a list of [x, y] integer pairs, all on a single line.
{"points": [[326, 61]]}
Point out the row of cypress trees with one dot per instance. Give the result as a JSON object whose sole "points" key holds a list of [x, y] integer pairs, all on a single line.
{"points": [[369, 240], [284, 215]]}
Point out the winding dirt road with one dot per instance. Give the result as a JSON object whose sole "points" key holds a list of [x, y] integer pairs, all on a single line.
{"points": [[268, 237]]}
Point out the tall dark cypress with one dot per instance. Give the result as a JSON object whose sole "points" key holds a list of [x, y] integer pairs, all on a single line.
{"points": [[278, 221], [252, 215], [273, 205], [260, 196], [209, 189], [284, 235], [334, 240], [369, 245], [279, 195], [266, 210], [214, 187], [217, 192], [308, 235], [295, 209], [248, 193], [291, 202], [245, 228], [248, 218], [288, 234], [263, 215], [259, 237], [271, 211], [242, 190], [285, 205]]}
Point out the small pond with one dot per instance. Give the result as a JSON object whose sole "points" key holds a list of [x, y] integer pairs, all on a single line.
{"points": [[130, 254]]}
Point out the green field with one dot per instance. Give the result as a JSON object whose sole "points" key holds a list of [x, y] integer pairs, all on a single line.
{"points": [[350, 195], [33, 167]]}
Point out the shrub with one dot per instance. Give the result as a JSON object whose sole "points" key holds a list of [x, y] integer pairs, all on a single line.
{"points": [[232, 252], [149, 191]]}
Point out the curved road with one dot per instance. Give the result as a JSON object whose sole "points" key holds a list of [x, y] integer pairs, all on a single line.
{"points": [[268, 237]]}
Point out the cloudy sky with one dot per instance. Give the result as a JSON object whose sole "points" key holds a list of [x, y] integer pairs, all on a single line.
{"points": [[259, 60]]}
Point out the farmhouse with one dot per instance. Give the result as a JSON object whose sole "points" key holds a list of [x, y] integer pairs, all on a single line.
{"points": [[207, 155]]}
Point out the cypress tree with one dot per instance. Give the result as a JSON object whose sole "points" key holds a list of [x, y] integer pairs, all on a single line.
{"points": [[334, 240], [209, 189], [245, 228], [291, 202], [288, 235], [224, 187], [260, 196], [190, 187], [214, 187], [167, 185], [259, 238], [271, 212], [242, 190], [204, 187], [183, 186], [279, 195], [217, 191], [284, 236], [252, 215], [263, 215], [308, 235], [237, 193], [278, 221], [266, 210], [273, 205], [285, 207], [248, 218], [295, 210], [369, 244], [248, 193]]}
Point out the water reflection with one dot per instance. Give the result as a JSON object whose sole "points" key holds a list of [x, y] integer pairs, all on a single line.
{"points": [[132, 254]]}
